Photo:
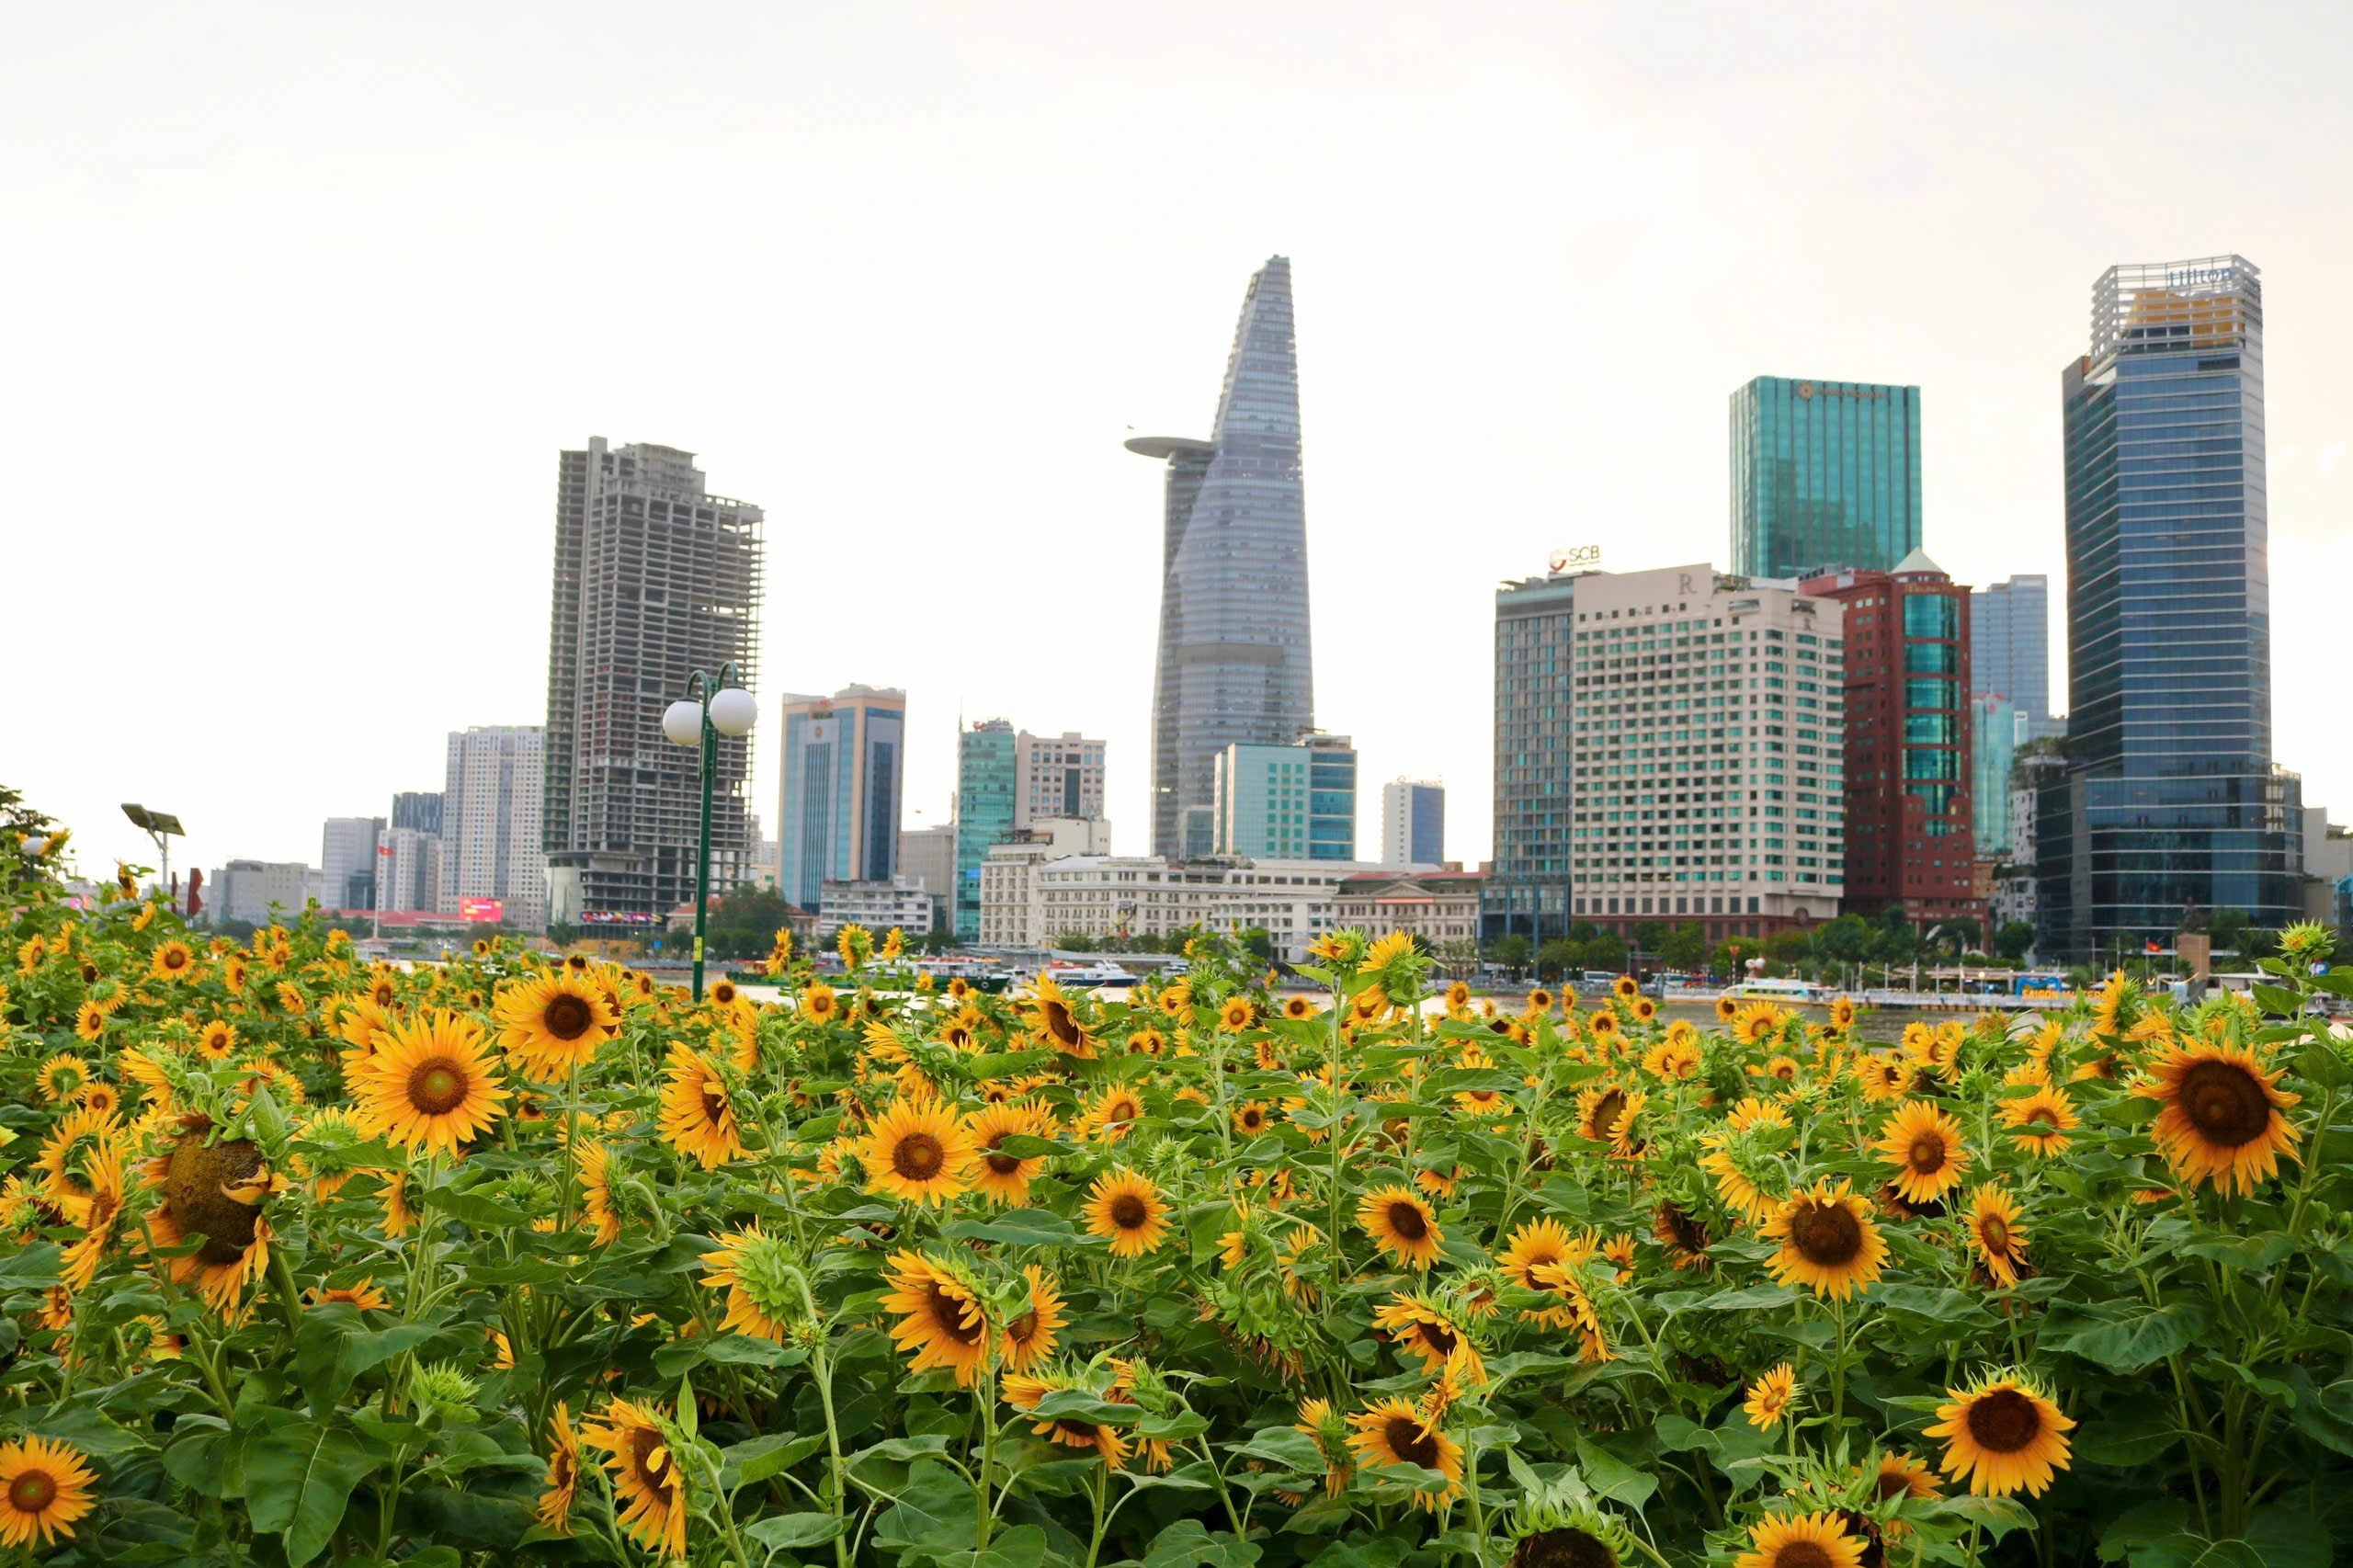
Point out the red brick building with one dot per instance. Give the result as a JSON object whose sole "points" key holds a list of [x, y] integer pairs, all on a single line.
{"points": [[1909, 833]]}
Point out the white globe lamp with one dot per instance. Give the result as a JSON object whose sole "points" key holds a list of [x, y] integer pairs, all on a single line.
{"points": [[682, 722], [734, 712]]}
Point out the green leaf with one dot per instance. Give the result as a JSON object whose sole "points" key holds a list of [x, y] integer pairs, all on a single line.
{"points": [[744, 1350], [2248, 1255], [932, 1514], [1188, 1544], [298, 1479], [1080, 1405], [782, 1533], [1022, 1227], [2277, 999], [1612, 1478], [1024, 1546], [749, 1464], [1754, 1299], [1997, 1515], [33, 1268], [2140, 1340], [2320, 1063], [1285, 1445], [477, 1210], [334, 1345]]}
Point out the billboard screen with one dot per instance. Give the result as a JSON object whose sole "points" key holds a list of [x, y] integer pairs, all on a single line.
{"points": [[482, 911]]}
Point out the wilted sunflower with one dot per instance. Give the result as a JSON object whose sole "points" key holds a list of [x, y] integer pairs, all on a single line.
{"points": [[1127, 1208], [918, 1150], [1770, 1396], [1827, 1240], [44, 1487], [2042, 1122], [2004, 1433], [1684, 1238], [1802, 1541], [2221, 1121], [1925, 1146], [563, 1473], [552, 1023], [214, 1191], [1402, 1223], [698, 1116], [171, 961], [1419, 1325], [1391, 1432], [1030, 1336], [646, 1481], [1996, 1233], [998, 1176], [1025, 1391], [432, 1085], [940, 1320]]}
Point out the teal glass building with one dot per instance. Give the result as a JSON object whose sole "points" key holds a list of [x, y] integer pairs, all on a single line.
{"points": [[1824, 474], [1296, 802], [985, 770]]}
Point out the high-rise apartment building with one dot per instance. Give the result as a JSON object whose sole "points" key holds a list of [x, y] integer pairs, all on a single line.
{"points": [[1293, 802], [1056, 776], [845, 778], [986, 769], [490, 824], [2009, 640], [1528, 892], [347, 862], [655, 578], [2171, 797], [1911, 835], [408, 872], [1413, 823], [419, 810], [1823, 474], [1234, 663]]}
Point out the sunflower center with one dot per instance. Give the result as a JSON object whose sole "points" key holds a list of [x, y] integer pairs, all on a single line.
{"points": [[2043, 1116], [1127, 1211], [1826, 1233], [1023, 1329], [1927, 1154], [917, 1157], [437, 1085], [1994, 1232], [562, 1470], [32, 1491], [1606, 1113], [1406, 1218], [1409, 1442], [1439, 1338], [2004, 1421], [1060, 1024], [1251, 1119], [194, 1181], [2225, 1103], [1003, 1164], [568, 1017], [1891, 1484], [1802, 1554], [1562, 1548], [714, 1107], [947, 1315], [650, 1457]]}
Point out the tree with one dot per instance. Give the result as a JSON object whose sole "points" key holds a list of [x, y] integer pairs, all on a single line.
{"points": [[1071, 941], [1457, 956], [1733, 957], [2227, 926], [1685, 947], [1259, 945], [1789, 946], [1846, 940], [1605, 950], [1511, 950], [2013, 940], [1965, 928], [1556, 957]]}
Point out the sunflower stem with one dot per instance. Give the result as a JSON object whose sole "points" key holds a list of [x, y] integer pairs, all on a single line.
{"points": [[281, 1285]]}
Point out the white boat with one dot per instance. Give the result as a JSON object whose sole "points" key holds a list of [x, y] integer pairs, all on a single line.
{"points": [[1067, 975], [1786, 992]]}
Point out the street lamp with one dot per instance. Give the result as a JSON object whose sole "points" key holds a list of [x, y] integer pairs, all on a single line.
{"points": [[162, 827], [708, 711]]}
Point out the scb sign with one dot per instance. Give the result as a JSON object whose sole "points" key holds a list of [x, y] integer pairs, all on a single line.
{"points": [[1576, 558]]}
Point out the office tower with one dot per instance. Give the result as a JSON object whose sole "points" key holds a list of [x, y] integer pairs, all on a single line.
{"points": [[417, 808], [1233, 661], [655, 578], [1413, 823], [1995, 732], [1528, 891], [1688, 724], [490, 826], [845, 770], [984, 812], [1911, 835], [2171, 798], [1056, 776], [2009, 640], [1296, 802], [347, 862], [1823, 474], [927, 854]]}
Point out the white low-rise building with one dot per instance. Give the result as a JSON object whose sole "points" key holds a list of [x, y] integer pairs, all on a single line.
{"points": [[1119, 897], [902, 902], [1005, 874]]}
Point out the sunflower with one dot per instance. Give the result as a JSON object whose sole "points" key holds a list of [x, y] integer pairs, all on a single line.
{"points": [[697, 1115], [1827, 1240], [1250, 1118], [171, 961], [1842, 1012], [1603, 1025], [60, 1075], [1683, 1235], [1900, 1475], [78, 1137], [1024, 1391], [101, 1098], [1802, 1541], [1924, 1145], [596, 1192], [2040, 1121], [1770, 1397], [1458, 995], [1996, 1233], [818, 1003], [1391, 1432], [1483, 1102], [1128, 1209], [1885, 1075], [2221, 1121], [1114, 1111], [1321, 1423], [44, 1487], [1752, 1024], [101, 1211], [1420, 1326], [1001, 1178], [213, 1190], [432, 1085], [1057, 1022], [1402, 1223], [1030, 1335], [940, 1318], [89, 1023], [553, 1024], [918, 1150], [752, 1267], [2004, 1433], [1675, 1057], [651, 1493], [1606, 1115]]}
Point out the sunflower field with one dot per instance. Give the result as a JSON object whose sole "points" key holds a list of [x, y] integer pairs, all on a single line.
{"points": [[521, 1260]]}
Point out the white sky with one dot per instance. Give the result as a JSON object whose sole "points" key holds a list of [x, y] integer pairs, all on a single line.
{"points": [[297, 305]]}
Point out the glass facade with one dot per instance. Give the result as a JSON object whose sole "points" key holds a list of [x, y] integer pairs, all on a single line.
{"points": [[984, 812], [2172, 798], [1995, 746], [1528, 892], [2009, 635], [1287, 802], [1824, 474], [837, 817], [1234, 660]]}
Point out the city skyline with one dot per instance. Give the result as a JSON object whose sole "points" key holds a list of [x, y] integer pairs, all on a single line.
{"points": [[1460, 432]]}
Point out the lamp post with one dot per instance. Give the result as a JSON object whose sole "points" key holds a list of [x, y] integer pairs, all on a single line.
{"points": [[162, 827], [709, 709]]}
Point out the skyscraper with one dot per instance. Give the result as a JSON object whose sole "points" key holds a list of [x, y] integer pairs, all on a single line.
{"points": [[347, 862], [1234, 663], [844, 775], [655, 578], [2170, 795], [1294, 802], [490, 823], [1413, 823], [1056, 776], [984, 812], [1823, 474], [2009, 634]]}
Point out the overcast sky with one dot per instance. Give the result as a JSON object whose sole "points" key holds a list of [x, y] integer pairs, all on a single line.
{"points": [[297, 305]]}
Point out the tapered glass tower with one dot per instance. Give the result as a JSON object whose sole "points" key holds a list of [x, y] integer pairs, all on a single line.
{"points": [[1233, 665]]}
